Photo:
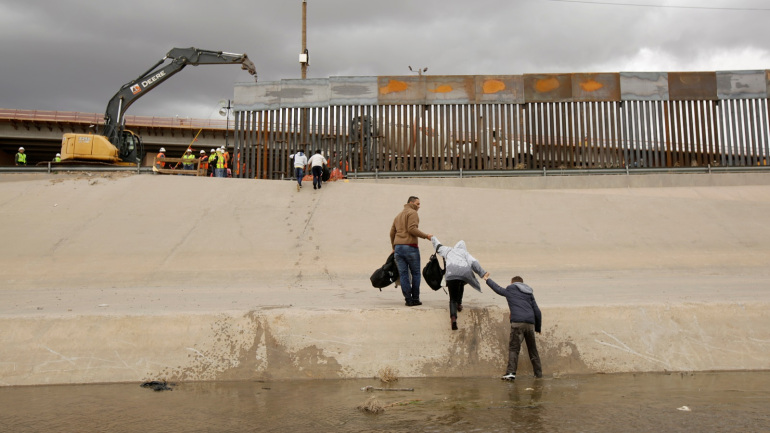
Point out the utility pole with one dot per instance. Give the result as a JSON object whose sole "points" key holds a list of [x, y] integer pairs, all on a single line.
{"points": [[304, 59]]}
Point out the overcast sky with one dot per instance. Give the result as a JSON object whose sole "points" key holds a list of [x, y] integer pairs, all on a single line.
{"points": [[73, 55]]}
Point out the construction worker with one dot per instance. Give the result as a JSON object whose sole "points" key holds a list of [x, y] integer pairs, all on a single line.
{"points": [[160, 158], [212, 164], [188, 160], [21, 157], [203, 162], [220, 169], [226, 156], [57, 158]]}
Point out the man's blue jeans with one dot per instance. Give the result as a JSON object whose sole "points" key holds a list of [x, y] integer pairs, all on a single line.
{"points": [[299, 173], [408, 262]]}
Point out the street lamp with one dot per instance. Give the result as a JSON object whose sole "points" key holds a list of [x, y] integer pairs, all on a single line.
{"points": [[419, 70], [225, 111]]}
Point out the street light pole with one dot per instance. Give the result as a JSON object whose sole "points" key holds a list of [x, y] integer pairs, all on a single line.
{"points": [[225, 111]]}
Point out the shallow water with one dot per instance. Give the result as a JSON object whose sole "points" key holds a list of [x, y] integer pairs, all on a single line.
{"points": [[717, 402]]}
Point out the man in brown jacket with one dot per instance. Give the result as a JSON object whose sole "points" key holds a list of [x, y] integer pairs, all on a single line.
{"points": [[403, 238]]}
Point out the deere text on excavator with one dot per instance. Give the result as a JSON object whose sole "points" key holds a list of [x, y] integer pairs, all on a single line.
{"points": [[120, 146]]}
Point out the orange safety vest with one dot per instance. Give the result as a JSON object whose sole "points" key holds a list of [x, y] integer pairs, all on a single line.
{"points": [[160, 164], [204, 164]]}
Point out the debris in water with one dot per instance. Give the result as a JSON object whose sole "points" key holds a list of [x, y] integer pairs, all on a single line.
{"points": [[371, 388], [157, 385], [684, 408], [371, 405], [387, 375]]}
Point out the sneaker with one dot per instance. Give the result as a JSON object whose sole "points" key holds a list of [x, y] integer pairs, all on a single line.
{"points": [[509, 376], [454, 326], [314, 187], [416, 302], [409, 303], [459, 307]]}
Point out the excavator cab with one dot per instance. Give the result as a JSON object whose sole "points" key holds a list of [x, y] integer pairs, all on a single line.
{"points": [[131, 148]]}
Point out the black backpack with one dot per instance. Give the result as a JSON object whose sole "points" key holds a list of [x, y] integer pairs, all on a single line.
{"points": [[326, 173], [432, 273], [385, 275]]}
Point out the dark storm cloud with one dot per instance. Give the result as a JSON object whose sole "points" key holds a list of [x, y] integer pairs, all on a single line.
{"points": [[74, 55]]}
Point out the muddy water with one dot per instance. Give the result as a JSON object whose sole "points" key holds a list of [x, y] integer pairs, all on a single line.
{"points": [[717, 402]]}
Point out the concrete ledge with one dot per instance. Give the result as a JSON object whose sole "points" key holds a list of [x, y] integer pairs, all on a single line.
{"points": [[559, 182], [290, 343]]}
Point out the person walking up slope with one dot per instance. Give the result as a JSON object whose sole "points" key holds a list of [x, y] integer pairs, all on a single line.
{"points": [[525, 321], [460, 266], [317, 163], [300, 161]]}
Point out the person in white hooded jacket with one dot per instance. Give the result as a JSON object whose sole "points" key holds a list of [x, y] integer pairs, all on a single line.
{"points": [[460, 266]]}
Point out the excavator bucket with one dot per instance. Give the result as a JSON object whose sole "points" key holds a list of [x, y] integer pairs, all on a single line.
{"points": [[248, 65]]}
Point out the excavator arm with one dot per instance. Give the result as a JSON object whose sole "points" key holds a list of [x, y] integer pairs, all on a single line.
{"points": [[173, 62]]}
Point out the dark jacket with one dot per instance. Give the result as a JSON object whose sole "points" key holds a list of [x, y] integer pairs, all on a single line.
{"points": [[521, 302]]}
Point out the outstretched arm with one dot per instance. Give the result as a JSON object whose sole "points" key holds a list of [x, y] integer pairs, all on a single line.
{"points": [[494, 286]]}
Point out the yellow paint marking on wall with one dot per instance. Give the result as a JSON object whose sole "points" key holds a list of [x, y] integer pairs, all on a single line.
{"points": [[493, 86], [547, 85], [442, 89], [591, 85], [393, 87]]}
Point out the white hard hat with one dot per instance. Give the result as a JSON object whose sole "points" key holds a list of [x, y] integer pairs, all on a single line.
{"points": [[219, 150], [188, 150], [212, 151], [203, 151], [58, 154], [162, 149], [21, 149]]}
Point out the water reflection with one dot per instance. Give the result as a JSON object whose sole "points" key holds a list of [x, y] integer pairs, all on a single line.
{"points": [[642, 402]]}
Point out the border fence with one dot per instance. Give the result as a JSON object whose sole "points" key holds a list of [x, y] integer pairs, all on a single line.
{"points": [[505, 122]]}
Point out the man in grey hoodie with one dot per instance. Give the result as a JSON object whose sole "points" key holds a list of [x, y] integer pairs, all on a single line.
{"points": [[460, 266], [525, 321]]}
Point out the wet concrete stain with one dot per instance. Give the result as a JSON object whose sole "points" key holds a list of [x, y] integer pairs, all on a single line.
{"points": [[251, 354], [245, 348]]}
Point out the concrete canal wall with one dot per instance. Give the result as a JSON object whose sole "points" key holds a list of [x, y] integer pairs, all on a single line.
{"points": [[116, 278]]}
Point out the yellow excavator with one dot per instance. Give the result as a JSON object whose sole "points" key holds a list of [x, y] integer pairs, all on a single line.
{"points": [[120, 146]]}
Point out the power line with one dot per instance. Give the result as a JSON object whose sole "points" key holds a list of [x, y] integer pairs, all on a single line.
{"points": [[660, 6]]}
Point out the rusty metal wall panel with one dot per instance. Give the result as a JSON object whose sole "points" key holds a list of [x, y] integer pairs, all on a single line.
{"points": [[499, 89], [257, 96], [692, 86], [548, 87], [450, 89], [305, 93], [644, 86], [596, 87], [353, 90], [741, 84], [401, 90]]}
